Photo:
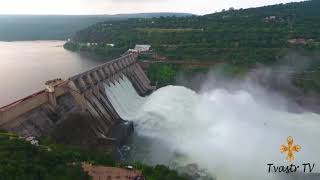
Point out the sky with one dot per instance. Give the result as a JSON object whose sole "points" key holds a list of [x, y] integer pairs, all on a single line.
{"points": [[77, 7]]}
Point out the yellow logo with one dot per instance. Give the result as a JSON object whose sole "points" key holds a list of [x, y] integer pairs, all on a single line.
{"points": [[290, 149]]}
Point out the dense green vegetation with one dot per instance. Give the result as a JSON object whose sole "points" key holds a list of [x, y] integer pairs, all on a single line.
{"points": [[19, 160], [162, 74], [166, 74], [241, 38], [57, 27], [158, 172], [246, 36]]}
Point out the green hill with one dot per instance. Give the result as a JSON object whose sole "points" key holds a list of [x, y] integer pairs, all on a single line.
{"points": [[238, 36], [57, 27], [242, 38]]}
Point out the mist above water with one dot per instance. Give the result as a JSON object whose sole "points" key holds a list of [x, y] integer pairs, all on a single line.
{"points": [[232, 134]]}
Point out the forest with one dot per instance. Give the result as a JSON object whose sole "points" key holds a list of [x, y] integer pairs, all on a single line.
{"points": [[20, 160], [242, 38], [57, 27], [237, 36]]}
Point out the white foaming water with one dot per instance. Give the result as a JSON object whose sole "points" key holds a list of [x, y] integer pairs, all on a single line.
{"points": [[234, 135], [124, 98]]}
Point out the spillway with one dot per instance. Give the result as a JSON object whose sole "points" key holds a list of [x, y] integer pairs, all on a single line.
{"points": [[78, 111], [234, 135], [124, 98]]}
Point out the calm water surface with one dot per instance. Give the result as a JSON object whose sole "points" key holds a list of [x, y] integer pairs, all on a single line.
{"points": [[26, 66]]}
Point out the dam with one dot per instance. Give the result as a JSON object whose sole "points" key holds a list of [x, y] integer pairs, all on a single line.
{"points": [[81, 100], [174, 125]]}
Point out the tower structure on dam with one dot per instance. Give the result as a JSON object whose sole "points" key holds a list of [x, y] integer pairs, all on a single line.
{"points": [[79, 105]]}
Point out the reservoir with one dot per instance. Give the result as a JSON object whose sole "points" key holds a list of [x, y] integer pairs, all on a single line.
{"points": [[26, 65]]}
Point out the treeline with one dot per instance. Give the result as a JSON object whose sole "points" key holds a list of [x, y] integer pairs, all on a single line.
{"points": [[57, 27], [19, 160], [245, 36], [241, 38]]}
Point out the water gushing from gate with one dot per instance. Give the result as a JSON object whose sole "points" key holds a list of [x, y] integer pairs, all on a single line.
{"points": [[234, 135]]}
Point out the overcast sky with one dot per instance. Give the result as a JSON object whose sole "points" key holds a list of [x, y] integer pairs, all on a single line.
{"points": [[126, 6]]}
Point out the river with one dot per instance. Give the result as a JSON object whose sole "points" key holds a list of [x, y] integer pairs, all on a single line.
{"points": [[26, 65], [229, 134]]}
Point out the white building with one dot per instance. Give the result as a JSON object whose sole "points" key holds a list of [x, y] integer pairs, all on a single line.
{"points": [[270, 18], [142, 47], [132, 50]]}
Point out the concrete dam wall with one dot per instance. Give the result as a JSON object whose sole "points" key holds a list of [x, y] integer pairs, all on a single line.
{"points": [[76, 110]]}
